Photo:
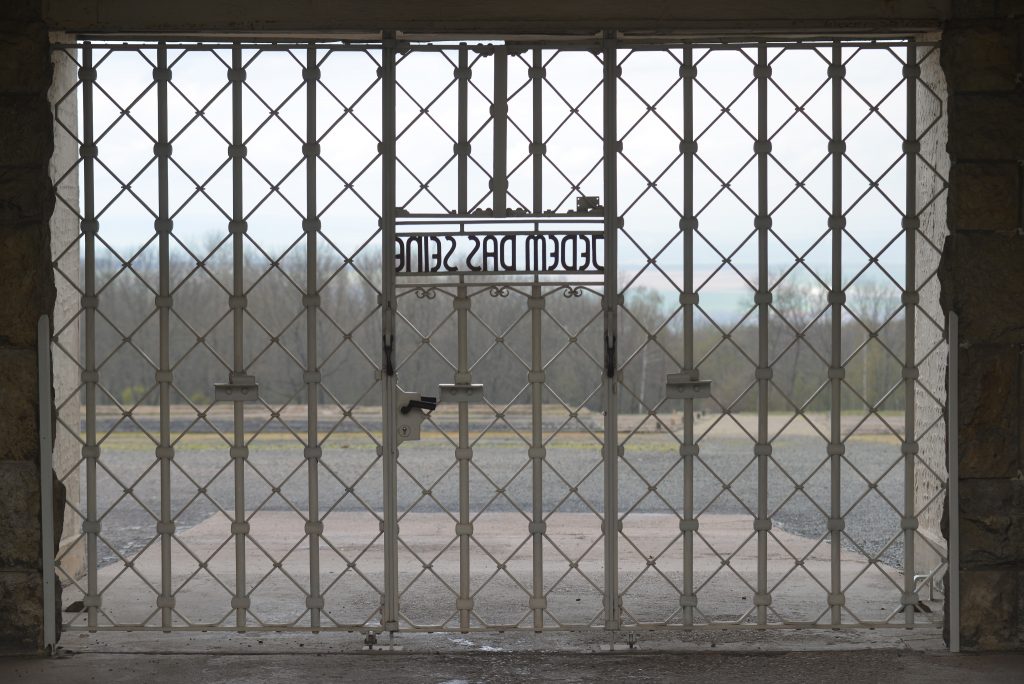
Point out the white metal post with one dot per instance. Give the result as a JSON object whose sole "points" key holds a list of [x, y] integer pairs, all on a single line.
{"points": [[910, 371], [90, 376], [689, 298], [164, 452], [389, 437], [837, 297], [239, 451], [538, 602], [311, 301], [464, 453], [953, 483], [462, 147], [46, 475], [612, 606], [537, 452], [762, 222], [499, 112], [537, 142]]}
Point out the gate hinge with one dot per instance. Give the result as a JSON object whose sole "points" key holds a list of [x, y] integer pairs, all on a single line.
{"points": [[462, 392], [687, 385], [240, 387]]}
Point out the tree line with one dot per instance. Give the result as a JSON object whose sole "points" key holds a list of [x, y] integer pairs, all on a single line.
{"points": [[651, 340]]}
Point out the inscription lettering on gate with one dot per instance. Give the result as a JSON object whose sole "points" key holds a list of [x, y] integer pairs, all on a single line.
{"points": [[513, 252]]}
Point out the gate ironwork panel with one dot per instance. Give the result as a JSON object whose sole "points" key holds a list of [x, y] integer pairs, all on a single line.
{"points": [[253, 329]]}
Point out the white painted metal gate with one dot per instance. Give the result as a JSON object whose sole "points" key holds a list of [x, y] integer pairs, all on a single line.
{"points": [[792, 177]]}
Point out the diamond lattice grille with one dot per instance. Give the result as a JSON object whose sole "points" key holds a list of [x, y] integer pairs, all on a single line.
{"points": [[234, 436]]}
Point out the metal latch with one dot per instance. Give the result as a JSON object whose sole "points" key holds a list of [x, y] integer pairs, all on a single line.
{"points": [[461, 392], [240, 387], [411, 407], [687, 385]]}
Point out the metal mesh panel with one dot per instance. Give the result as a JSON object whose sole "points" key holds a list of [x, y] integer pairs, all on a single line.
{"points": [[246, 344]]}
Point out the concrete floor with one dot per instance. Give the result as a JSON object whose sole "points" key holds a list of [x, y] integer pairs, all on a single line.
{"points": [[449, 659]]}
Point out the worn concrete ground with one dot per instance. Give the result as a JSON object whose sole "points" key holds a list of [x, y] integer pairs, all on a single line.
{"points": [[451, 659]]}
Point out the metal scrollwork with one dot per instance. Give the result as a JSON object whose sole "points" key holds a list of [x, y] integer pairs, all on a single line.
{"points": [[569, 292], [498, 291], [425, 292]]}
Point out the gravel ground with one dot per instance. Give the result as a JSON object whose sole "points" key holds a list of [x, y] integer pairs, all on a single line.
{"points": [[202, 479]]}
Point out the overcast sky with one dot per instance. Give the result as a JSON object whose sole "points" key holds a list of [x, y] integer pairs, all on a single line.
{"points": [[650, 142]]}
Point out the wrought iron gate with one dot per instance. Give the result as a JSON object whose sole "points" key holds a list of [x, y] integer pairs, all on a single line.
{"points": [[395, 443]]}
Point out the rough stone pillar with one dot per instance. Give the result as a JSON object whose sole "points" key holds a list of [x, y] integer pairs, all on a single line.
{"points": [[64, 248], [26, 292], [929, 347], [983, 281]]}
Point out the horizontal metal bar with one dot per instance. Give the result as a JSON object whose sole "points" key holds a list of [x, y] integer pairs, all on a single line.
{"points": [[442, 274], [448, 219], [587, 44], [425, 629], [503, 233], [498, 283]]}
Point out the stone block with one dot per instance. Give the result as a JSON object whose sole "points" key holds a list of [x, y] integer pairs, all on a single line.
{"points": [[21, 605], [989, 411], [28, 130], [28, 287], [19, 515], [19, 432], [982, 276], [24, 10], [986, 126], [24, 57], [26, 194], [980, 58], [991, 523], [973, 8], [989, 606], [985, 196]]}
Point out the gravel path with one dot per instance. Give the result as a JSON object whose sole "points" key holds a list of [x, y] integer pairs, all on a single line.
{"points": [[725, 482]]}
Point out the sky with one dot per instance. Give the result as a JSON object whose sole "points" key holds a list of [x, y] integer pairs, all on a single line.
{"points": [[650, 113]]}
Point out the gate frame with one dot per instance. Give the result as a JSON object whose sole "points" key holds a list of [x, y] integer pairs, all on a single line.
{"points": [[390, 615]]}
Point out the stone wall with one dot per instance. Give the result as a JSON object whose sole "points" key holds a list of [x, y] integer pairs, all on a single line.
{"points": [[64, 230], [929, 346], [983, 281], [27, 291]]}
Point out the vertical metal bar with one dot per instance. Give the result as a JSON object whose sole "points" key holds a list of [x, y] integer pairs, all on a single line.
{"points": [[462, 150], [45, 395], [464, 453], [688, 525], [538, 603], [835, 447], [537, 144], [239, 450], [612, 605], [389, 613], [499, 111], [762, 223], [910, 299], [90, 376], [311, 226], [953, 483], [165, 452]]}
